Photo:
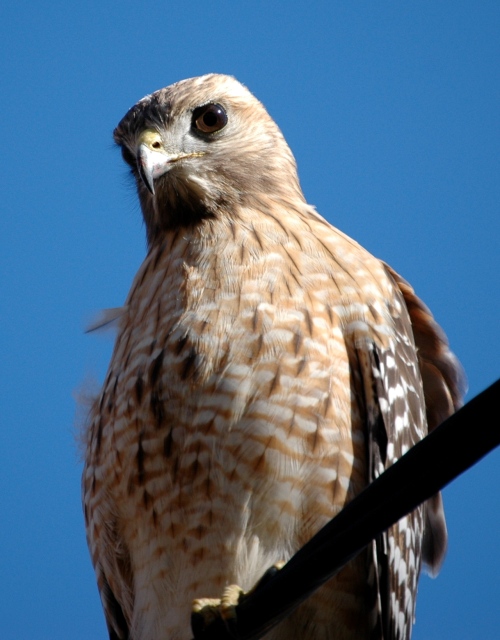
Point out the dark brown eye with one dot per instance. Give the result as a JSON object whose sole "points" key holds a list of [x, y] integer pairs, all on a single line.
{"points": [[209, 118]]}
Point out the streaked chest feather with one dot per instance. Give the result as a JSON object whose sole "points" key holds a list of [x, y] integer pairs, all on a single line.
{"points": [[234, 375]]}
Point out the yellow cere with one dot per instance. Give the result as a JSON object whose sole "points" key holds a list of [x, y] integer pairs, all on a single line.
{"points": [[149, 137]]}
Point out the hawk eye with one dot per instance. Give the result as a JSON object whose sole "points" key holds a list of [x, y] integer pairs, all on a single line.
{"points": [[209, 118]]}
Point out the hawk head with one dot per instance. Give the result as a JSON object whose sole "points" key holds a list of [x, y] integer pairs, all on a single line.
{"points": [[203, 148]]}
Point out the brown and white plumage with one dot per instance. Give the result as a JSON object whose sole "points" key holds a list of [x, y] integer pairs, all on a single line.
{"points": [[266, 369]]}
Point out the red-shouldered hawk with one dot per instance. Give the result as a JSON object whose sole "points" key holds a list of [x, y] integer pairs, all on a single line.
{"points": [[266, 369]]}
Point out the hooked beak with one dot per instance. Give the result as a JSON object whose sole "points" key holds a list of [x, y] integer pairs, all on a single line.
{"points": [[153, 160], [153, 164]]}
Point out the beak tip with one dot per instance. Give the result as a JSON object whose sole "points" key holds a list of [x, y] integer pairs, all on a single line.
{"points": [[146, 177]]}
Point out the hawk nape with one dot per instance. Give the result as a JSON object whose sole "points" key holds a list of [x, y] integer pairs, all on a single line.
{"points": [[266, 369]]}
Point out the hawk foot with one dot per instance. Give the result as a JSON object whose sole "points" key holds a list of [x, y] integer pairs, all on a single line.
{"points": [[212, 612]]}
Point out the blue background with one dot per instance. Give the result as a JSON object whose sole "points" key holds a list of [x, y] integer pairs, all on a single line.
{"points": [[392, 110]]}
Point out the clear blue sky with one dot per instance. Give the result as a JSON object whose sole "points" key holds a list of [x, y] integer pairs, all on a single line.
{"points": [[392, 110]]}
